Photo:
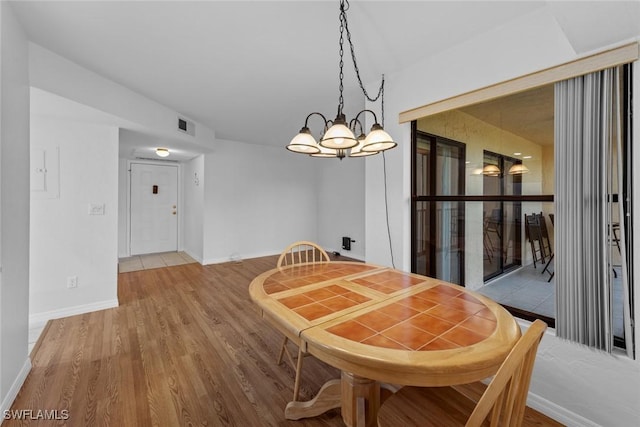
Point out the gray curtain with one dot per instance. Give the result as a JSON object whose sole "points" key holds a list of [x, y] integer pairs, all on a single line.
{"points": [[587, 174]]}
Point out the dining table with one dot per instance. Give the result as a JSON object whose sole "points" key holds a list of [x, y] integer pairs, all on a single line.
{"points": [[382, 328]]}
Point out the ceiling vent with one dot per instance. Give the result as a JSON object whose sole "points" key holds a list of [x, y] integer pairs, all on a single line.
{"points": [[186, 126]]}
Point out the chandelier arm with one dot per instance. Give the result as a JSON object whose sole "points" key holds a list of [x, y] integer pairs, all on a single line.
{"points": [[375, 118], [354, 122], [306, 121]]}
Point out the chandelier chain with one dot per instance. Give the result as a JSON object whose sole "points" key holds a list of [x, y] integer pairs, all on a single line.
{"points": [[343, 20], [344, 23]]}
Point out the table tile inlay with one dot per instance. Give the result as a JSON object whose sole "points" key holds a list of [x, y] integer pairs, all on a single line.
{"points": [[318, 303], [439, 318], [304, 274], [388, 282]]}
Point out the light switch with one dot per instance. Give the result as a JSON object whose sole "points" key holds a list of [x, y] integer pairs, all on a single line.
{"points": [[96, 208]]}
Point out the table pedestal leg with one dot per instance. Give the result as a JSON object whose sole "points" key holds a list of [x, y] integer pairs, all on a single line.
{"points": [[327, 398], [360, 400]]}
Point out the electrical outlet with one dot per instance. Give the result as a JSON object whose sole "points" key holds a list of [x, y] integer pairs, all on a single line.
{"points": [[72, 282]]}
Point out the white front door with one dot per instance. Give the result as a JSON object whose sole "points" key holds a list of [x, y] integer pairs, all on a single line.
{"points": [[154, 208]]}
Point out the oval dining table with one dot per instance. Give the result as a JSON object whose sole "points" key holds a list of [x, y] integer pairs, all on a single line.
{"points": [[382, 328]]}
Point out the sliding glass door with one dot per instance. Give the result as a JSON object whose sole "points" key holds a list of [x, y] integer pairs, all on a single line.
{"points": [[502, 225], [437, 217]]}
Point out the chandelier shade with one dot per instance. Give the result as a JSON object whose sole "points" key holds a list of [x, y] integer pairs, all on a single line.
{"points": [[304, 143], [326, 152], [378, 140], [339, 136], [357, 150]]}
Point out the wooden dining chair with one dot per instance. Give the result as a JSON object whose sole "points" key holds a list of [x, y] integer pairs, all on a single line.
{"points": [[505, 397], [298, 253], [302, 252]]}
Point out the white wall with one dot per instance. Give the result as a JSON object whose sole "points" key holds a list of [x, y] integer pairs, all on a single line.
{"points": [[56, 74], [14, 206], [65, 240], [341, 204], [572, 383], [192, 217], [258, 199]]}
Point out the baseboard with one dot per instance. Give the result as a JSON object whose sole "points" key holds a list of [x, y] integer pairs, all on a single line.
{"points": [[38, 320], [16, 386], [237, 258], [558, 413], [197, 258], [347, 254]]}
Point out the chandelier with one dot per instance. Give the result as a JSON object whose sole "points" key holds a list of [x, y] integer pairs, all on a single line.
{"points": [[338, 137]]}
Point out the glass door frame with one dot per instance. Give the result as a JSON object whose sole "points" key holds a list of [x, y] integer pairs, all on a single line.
{"points": [[433, 199], [503, 266]]}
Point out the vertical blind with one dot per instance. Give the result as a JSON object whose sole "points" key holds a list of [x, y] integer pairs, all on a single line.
{"points": [[589, 213]]}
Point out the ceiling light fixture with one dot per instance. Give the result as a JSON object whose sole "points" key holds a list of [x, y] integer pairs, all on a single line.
{"points": [[518, 169], [162, 152], [338, 137], [491, 170]]}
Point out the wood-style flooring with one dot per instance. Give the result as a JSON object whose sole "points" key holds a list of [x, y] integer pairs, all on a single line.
{"points": [[186, 347]]}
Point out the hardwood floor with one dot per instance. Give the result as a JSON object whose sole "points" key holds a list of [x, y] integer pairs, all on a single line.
{"points": [[185, 347]]}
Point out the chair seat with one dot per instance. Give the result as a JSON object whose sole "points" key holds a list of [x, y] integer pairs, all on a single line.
{"points": [[427, 406]]}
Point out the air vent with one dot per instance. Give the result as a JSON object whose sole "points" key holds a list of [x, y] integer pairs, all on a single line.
{"points": [[186, 126]]}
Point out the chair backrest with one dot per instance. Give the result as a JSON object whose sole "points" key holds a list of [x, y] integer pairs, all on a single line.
{"points": [[302, 252], [506, 395]]}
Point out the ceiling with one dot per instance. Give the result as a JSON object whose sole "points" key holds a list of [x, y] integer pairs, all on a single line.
{"points": [[527, 114], [252, 70]]}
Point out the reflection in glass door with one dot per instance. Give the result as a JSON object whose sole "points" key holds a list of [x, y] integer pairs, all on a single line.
{"points": [[438, 223], [502, 226]]}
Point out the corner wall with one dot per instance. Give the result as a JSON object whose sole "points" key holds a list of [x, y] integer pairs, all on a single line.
{"points": [[14, 206]]}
